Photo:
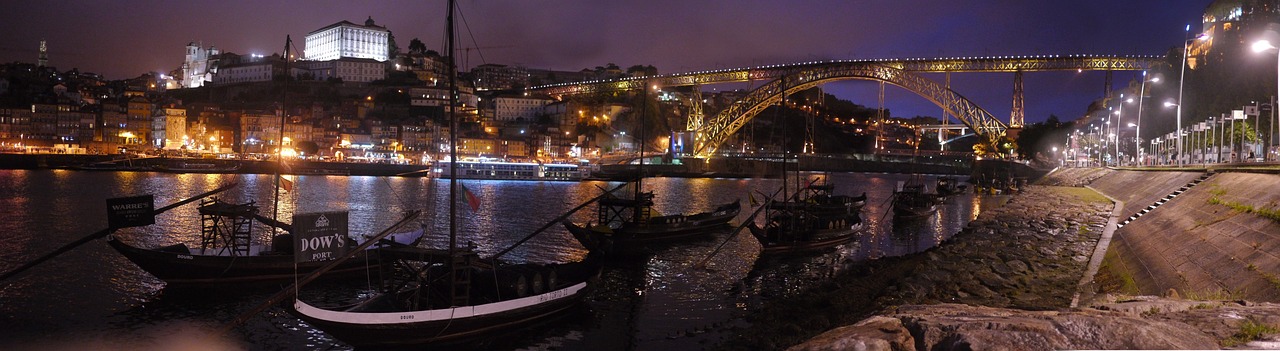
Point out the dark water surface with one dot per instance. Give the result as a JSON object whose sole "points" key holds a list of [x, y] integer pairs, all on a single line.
{"points": [[92, 296]]}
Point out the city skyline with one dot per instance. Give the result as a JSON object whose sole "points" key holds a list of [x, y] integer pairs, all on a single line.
{"points": [[671, 35]]}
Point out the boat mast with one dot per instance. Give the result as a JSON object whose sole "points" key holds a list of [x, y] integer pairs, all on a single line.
{"points": [[284, 113], [453, 138], [644, 104]]}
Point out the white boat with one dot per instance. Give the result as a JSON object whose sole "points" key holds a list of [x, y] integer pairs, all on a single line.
{"points": [[485, 168]]}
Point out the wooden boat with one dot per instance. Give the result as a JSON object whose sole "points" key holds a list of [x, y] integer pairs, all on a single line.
{"points": [[197, 167], [227, 256], [453, 296], [948, 186], [495, 299], [626, 227], [912, 201], [800, 233], [819, 200], [112, 166]]}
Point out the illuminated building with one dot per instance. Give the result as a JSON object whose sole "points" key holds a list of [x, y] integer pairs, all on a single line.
{"points": [[1228, 27], [345, 39], [199, 66]]}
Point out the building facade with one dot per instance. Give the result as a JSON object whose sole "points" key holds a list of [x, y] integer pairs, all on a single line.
{"points": [[348, 70], [515, 108], [346, 39], [199, 66]]}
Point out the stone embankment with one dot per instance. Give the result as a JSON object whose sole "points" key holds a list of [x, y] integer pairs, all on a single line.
{"points": [[1029, 254], [1007, 280], [1140, 324]]}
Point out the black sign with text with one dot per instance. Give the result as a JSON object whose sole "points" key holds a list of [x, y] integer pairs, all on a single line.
{"points": [[134, 211], [320, 236]]}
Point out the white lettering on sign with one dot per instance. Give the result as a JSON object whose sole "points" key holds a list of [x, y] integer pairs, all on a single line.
{"points": [[323, 242], [138, 206]]}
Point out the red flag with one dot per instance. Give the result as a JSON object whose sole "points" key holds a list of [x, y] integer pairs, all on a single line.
{"points": [[471, 199], [286, 184]]}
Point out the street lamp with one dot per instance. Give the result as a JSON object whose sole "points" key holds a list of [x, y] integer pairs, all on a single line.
{"points": [[1137, 132], [1186, 46], [1264, 45]]}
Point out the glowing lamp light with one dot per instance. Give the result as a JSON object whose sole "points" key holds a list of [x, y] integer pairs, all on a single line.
{"points": [[1262, 45]]}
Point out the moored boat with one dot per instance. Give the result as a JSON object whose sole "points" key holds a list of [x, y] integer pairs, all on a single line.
{"points": [[911, 201], [626, 226], [805, 233], [227, 254], [503, 170], [452, 301], [197, 167]]}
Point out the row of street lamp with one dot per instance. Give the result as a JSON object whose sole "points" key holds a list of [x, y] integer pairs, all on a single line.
{"points": [[1258, 46]]}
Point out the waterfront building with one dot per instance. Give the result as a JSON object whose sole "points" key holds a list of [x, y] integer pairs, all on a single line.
{"points": [[348, 40], [169, 130], [416, 137], [115, 121], [15, 123], [259, 131], [138, 127]]}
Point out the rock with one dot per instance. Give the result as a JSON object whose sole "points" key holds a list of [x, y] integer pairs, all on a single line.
{"points": [[1017, 266], [871, 334], [961, 327]]}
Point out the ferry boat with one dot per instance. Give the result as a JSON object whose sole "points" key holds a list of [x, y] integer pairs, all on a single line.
{"points": [[486, 168]]}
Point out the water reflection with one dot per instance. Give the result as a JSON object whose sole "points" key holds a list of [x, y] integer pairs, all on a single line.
{"points": [[664, 301]]}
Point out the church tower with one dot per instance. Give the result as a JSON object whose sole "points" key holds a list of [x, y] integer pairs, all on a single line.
{"points": [[44, 55]]}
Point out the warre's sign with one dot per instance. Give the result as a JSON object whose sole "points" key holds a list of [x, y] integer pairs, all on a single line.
{"points": [[320, 236], [134, 211]]}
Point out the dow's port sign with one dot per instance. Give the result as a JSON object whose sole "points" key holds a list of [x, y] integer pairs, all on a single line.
{"points": [[320, 236]]}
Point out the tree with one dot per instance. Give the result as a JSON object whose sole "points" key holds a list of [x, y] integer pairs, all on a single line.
{"points": [[642, 70], [393, 50], [417, 47]]}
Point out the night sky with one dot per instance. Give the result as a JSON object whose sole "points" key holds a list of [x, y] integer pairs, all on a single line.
{"points": [[123, 39]]}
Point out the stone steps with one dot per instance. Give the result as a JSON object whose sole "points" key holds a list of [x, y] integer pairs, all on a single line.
{"points": [[1162, 201]]}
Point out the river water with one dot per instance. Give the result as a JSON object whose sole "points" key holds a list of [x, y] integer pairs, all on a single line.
{"points": [[93, 297]]}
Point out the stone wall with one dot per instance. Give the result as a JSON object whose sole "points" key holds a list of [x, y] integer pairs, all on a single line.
{"points": [[1196, 246]]}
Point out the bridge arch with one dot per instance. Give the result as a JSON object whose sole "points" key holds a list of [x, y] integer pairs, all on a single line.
{"points": [[719, 128]]}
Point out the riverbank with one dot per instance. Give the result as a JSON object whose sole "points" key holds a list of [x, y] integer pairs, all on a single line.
{"points": [[1206, 237], [1029, 254]]}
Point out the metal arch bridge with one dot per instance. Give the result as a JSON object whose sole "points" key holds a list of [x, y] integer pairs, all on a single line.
{"points": [[799, 76]]}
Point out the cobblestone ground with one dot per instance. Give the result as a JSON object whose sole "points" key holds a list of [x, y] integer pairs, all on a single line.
{"points": [[1028, 254]]}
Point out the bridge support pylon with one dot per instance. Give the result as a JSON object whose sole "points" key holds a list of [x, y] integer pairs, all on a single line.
{"points": [[1016, 117]]}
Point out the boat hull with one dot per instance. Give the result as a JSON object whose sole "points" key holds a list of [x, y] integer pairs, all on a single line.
{"points": [[182, 267], [468, 324], [639, 238], [819, 240]]}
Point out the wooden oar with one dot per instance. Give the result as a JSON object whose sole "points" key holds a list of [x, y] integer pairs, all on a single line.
{"points": [[105, 232], [557, 220]]}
